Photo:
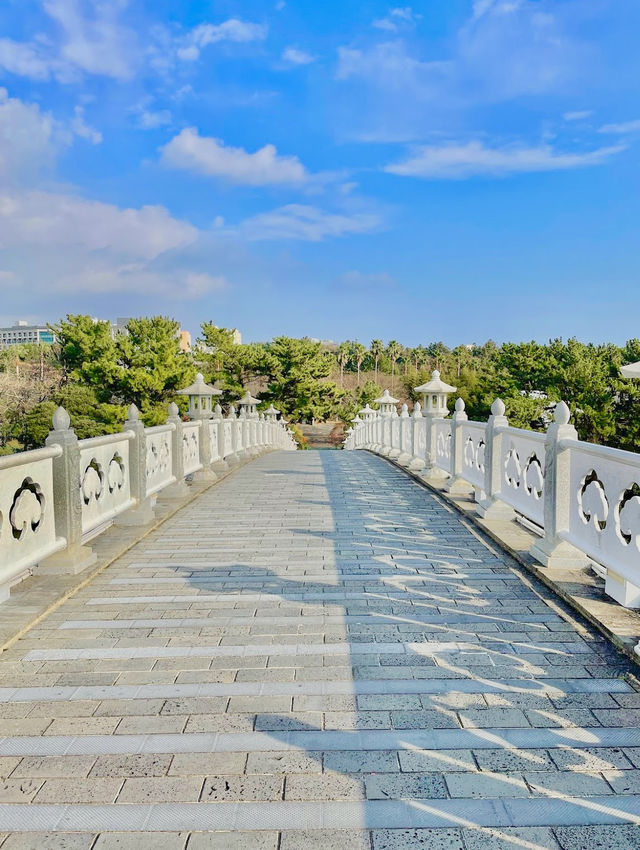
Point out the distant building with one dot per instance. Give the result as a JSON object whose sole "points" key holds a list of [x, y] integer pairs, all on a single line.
{"points": [[22, 332], [185, 341], [119, 326]]}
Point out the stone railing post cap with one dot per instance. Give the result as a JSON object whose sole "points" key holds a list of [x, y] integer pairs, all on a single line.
{"points": [[460, 405], [61, 420], [498, 408], [133, 414], [562, 414], [173, 409]]}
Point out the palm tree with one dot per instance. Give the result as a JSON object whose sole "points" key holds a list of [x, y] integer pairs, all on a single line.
{"points": [[376, 350], [343, 353], [394, 350], [358, 352]]}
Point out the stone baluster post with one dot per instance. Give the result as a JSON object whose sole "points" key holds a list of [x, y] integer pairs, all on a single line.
{"points": [[142, 513], [552, 551], [418, 425], [491, 506], [456, 483], [67, 497], [233, 459], [404, 436], [179, 489], [219, 465]]}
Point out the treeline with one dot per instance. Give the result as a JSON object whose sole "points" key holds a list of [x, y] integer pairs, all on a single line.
{"points": [[95, 376], [530, 377]]}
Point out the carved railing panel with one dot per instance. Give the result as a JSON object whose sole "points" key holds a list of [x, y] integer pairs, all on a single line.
{"points": [[522, 463], [27, 519], [159, 466], [191, 447], [443, 444], [604, 520], [104, 479]]}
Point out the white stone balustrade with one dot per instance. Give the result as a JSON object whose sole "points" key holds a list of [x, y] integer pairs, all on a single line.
{"points": [[584, 499], [55, 499]]}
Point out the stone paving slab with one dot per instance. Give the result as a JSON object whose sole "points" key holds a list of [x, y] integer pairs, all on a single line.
{"points": [[316, 653]]}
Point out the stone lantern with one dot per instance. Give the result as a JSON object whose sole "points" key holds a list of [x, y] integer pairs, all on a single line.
{"points": [[200, 395], [271, 414], [249, 405], [434, 396], [356, 420], [387, 404], [631, 370], [367, 412]]}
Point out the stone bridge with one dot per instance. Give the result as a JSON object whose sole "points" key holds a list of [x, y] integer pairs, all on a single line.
{"points": [[317, 652]]}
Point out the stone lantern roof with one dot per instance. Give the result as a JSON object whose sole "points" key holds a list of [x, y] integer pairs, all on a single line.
{"points": [[199, 388], [631, 370], [386, 398], [200, 395], [272, 411], [248, 400], [366, 412], [435, 385]]}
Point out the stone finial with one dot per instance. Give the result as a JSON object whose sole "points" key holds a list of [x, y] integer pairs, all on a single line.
{"points": [[61, 420], [404, 411], [498, 408], [133, 414], [417, 410], [460, 405], [217, 410], [562, 414], [435, 374], [173, 409], [199, 378]]}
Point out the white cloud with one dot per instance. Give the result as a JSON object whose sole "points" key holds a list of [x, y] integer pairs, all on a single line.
{"points": [[295, 56], [97, 278], [205, 155], [29, 138], [624, 127], [49, 220], [472, 159], [233, 30], [307, 223], [23, 60], [93, 41], [64, 243], [399, 90], [150, 120], [577, 115], [82, 129], [398, 16]]}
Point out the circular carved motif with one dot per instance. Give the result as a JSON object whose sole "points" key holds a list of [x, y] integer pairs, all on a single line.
{"points": [[512, 468], [628, 516], [593, 502], [534, 477], [92, 482], [115, 473], [27, 509]]}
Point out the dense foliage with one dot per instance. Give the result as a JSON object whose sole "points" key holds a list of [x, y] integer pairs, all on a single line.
{"points": [[95, 375]]}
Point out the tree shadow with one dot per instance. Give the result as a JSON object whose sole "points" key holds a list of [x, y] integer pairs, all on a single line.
{"points": [[416, 633]]}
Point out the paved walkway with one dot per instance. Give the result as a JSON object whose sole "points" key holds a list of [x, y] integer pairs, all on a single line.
{"points": [[316, 654]]}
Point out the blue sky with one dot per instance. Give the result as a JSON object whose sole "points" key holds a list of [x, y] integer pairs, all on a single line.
{"points": [[456, 169]]}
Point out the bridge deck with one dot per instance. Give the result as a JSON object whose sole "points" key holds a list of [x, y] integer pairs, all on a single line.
{"points": [[316, 654]]}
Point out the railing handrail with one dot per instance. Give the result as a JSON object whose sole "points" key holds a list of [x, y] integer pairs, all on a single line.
{"points": [[106, 439], [31, 456]]}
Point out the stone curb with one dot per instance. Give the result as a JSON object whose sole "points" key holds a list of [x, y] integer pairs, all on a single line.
{"points": [[515, 540], [112, 546]]}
